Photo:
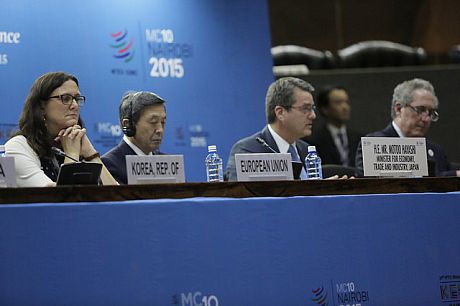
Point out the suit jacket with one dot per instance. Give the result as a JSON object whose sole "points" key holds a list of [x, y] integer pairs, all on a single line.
{"points": [[327, 150], [434, 153], [251, 145], [115, 161]]}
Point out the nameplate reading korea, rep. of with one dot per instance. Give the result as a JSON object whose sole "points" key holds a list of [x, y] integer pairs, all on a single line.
{"points": [[263, 167], [393, 156], [7, 172], [153, 169]]}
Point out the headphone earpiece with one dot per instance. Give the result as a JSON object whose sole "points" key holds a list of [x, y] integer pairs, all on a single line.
{"points": [[130, 129]]}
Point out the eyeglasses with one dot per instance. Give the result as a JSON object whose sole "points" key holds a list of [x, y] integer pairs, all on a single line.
{"points": [[425, 112], [306, 108], [67, 99]]}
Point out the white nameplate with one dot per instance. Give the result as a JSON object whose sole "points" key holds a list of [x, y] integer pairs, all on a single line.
{"points": [[263, 167], [154, 169], [394, 156], [7, 172]]}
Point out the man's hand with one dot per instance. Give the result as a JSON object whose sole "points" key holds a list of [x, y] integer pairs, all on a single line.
{"points": [[343, 177]]}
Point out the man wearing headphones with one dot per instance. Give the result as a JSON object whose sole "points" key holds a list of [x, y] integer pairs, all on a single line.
{"points": [[143, 119]]}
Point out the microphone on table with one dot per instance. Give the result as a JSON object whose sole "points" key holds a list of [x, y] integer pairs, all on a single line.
{"points": [[265, 144], [59, 152], [296, 165]]}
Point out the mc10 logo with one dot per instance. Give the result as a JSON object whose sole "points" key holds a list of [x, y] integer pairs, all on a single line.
{"points": [[108, 128], [347, 295], [343, 294], [198, 299]]}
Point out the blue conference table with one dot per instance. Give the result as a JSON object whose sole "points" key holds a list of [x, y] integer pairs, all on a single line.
{"points": [[379, 249]]}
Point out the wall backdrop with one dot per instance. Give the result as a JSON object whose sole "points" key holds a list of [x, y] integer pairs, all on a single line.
{"points": [[209, 59]]}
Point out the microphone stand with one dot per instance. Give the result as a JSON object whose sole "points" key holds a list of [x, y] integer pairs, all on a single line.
{"points": [[59, 152], [265, 144]]}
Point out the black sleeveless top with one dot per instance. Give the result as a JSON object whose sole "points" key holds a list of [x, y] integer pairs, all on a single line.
{"points": [[51, 166]]}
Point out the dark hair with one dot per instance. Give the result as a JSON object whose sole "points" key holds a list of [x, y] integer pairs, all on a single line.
{"points": [[322, 98], [280, 93], [133, 103], [31, 122]]}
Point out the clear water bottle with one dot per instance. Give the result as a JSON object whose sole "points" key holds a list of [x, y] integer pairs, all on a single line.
{"points": [[313, 164], [2, 150], [214, 169]]}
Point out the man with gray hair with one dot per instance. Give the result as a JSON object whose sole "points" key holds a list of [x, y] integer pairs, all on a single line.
{"points": [[414, 107], [290, 111], [143, 119]]}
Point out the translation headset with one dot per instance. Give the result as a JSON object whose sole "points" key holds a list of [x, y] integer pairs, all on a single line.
{"points": [[130, 129]]}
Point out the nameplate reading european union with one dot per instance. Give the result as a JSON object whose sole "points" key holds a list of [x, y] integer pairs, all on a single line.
{"points": [[155, 169], [394, 156], [7, 172], [263, 167]]}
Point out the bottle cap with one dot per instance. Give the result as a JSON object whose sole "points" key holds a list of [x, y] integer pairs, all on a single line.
{"points": [[311, 149], [212, 148]]}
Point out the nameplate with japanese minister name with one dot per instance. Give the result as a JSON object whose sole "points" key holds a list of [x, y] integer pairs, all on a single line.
{"points": [[394, 156]]}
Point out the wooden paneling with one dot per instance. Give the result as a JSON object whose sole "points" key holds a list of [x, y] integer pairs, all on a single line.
{"points": [[334, 24], [225, 189]]}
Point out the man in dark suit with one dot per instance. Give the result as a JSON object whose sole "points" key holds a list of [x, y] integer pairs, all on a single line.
{"points": [[143, 119], [290, 112], [414, 106], [334, 141]]}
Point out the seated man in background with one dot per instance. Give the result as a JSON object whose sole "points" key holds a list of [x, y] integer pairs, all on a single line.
{"points": [[143, 119], [290, 111], [334, 141], [414, 106]]}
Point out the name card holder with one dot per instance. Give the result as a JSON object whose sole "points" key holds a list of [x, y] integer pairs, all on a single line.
{"points": [[155, 169], [399, 174], [7, 172], [263, 167], [394, 156]]}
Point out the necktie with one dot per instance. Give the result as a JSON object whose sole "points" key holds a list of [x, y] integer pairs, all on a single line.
{"points": [[295, 158], [294, 155], [341, 138], [344, 150]]}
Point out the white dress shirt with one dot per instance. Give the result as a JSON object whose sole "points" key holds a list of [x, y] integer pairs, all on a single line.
{"points": [[134, 147]]}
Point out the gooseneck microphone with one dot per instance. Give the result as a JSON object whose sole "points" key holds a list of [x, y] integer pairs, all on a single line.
{"points": [[59, 152], [265, 144]]}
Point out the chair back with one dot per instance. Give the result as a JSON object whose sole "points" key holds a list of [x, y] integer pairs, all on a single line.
{"points": [[454, 54], [298, 55], [380, 53]]}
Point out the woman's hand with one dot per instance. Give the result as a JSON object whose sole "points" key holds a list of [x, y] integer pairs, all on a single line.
{"points": [[87, 148], [71, 140]]}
